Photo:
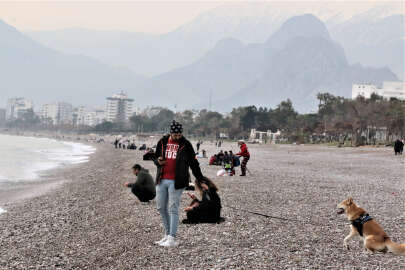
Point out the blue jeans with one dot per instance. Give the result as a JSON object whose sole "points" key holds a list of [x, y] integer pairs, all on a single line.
{"points": [[168, 202]]}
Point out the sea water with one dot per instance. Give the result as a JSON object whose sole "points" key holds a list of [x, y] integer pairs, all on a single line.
{"points": [[24, 158]]}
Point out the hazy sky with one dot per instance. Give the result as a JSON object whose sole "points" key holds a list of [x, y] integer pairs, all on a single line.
{"points": [[140, 16]]}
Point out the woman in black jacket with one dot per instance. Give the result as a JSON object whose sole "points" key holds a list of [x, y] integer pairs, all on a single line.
{"points": [[208, 210]]}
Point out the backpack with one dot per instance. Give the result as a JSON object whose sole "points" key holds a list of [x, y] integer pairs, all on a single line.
{"points": [[236, 161]]}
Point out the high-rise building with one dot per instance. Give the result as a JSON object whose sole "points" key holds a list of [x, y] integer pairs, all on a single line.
{"points": [[16, 107], [81, 115], [119, 108], [60, 113]]}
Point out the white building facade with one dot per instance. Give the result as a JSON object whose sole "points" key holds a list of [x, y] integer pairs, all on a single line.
{"points": [[119, 108], [387, 91], [16, 107], [89, 117], [58, 113], [263, 137], [393, 90]]}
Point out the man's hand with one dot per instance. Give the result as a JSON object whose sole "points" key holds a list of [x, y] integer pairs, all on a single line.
{"points": [[189, 208], [126, 184], [161, 161]]}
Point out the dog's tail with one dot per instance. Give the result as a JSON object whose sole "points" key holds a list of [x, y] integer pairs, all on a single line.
{"points": [[395, 248]]}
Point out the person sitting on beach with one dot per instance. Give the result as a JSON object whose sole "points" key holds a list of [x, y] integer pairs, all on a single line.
{"points": [[144, 187], [143, 147], [226, 158], [212, 160], [208, 210], [220, 157]]}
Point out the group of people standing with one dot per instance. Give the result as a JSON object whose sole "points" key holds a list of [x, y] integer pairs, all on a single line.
{"points": [[173, 157]]}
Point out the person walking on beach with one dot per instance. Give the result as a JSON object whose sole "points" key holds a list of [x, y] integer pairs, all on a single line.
{"points": [[398, 147], [144, 187], [173, 157], [245, 154]]}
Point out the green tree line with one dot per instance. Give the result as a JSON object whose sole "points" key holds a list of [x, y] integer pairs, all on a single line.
{"points": [[338, 119]]}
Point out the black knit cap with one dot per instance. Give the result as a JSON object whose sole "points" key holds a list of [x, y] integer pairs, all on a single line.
{"points": [[176, 127]]}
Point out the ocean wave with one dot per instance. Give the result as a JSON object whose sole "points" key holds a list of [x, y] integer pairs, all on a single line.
{"points": [[26, 157]]}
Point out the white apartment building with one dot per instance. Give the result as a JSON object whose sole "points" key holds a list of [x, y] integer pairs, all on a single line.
{"points": [[119, 108], [387, 91], [81, 115], [364, 90], [94, 118], [60, 113], [16, 107], [393, 90]]}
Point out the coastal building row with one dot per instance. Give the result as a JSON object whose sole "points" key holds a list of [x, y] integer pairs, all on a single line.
{"points": [[387, 91], [118, 108]]}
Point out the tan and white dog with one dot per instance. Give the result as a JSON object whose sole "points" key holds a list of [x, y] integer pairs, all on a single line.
{"points": [[374, 237]]}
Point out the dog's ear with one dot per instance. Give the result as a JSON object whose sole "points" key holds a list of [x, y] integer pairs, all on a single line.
{"points": [[349, 201]]}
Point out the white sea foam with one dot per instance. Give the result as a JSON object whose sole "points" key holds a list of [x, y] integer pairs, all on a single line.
{"points": [[2, 211], [23, 158]]}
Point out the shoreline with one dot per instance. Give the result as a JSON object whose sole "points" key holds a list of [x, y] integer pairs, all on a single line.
{"points": [[15, 192]]}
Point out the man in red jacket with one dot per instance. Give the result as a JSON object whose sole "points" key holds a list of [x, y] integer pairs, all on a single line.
{"points": [[245, 154]]}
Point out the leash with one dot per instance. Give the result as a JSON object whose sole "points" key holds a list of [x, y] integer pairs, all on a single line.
{"points": [[274, 217], [263, 215]]}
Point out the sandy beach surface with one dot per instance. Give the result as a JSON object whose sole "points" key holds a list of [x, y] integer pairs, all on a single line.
{"points": [[90, 221]]}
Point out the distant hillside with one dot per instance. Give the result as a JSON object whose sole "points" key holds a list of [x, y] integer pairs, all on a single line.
{"points": [[297, 61], [32, 70], [251, 22], [374, 42]]}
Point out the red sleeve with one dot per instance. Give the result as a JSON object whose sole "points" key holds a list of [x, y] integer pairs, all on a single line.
{"points": [[243, 151]]}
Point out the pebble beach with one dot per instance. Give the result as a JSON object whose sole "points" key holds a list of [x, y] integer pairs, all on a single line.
{"points": [[89, 220]]}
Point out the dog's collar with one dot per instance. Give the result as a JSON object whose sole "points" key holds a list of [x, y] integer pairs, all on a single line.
{"points": [[359, 222]]}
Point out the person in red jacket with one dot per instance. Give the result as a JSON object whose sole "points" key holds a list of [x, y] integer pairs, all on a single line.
{"points": [[245, 154]]}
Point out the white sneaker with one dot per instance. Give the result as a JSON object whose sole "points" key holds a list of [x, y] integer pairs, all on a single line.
{"points": [[161, 240], [170, 242]]}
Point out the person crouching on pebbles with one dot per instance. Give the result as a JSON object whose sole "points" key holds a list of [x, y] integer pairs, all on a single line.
{"points": [[245, 154], [144, 187], [173, 157]]}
